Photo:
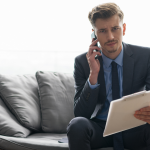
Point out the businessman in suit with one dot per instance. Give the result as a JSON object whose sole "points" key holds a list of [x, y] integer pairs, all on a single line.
{"points": [[121, 69]]}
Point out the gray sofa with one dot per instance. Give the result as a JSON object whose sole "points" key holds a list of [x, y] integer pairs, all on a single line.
{"points": [[35, 111]]}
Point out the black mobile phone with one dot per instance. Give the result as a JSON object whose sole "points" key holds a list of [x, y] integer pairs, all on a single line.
{"points": [[96, 43], [94, 36]]}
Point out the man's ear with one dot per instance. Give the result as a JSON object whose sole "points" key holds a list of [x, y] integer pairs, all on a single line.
{"points": [[94, 31], [124, 28]]}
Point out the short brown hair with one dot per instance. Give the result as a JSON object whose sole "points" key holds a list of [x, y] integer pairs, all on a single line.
{"points": [[104, 11]]}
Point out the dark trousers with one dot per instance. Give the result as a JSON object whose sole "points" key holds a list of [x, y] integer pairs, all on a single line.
{"points": [[86, 134]]}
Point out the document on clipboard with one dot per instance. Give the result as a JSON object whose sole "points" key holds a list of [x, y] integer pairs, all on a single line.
{"points": [[121, 112]]}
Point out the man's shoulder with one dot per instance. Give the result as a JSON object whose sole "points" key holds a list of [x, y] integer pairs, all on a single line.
{"points": [[81, 61], [140, 53], [137, 48], [81, 64], [81, 56]]}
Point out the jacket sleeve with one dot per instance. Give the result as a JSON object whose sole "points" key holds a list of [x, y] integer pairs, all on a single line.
{"points": [[148, 75], [93, 86], [85, 98]]}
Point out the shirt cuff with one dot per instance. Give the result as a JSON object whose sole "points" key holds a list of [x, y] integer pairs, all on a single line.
{"points": [[93, 86]]}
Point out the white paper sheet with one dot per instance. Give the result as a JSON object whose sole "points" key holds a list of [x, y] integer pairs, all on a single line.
{"points": [[121, 112]]}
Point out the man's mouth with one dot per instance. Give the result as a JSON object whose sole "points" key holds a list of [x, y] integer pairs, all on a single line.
{"points": [[111, 44]]}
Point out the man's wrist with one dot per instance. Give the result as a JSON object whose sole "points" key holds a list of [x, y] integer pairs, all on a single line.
{"points": [[93, 78], [93, 86]]}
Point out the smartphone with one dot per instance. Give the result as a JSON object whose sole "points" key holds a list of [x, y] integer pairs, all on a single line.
{"points": [[94, 36]]}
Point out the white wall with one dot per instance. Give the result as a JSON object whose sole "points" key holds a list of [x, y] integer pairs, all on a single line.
{"points": [[47, 35]]}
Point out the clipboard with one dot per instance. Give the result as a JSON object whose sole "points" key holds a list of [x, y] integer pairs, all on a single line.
{"points": [[121, 112]]}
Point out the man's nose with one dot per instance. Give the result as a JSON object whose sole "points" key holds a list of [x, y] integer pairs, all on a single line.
{"points": [[110, 36]]}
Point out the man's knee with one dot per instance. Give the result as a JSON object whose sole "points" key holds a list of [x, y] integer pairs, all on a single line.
{"points": [[77, 125]]}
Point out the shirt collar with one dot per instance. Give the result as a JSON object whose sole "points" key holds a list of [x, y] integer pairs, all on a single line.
{"points": [[119, 59]]}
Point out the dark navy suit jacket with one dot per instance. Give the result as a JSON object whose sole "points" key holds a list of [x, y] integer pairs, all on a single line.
{"points": [[136, 77]]}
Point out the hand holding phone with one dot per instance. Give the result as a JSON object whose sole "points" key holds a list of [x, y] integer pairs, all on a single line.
{"points": [[94, 36], [94, 64]]}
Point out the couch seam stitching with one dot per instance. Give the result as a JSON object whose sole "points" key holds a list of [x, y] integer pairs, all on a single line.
{"points": [[15, 144]]}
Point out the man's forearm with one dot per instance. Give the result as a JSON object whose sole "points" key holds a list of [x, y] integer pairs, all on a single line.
{"points": [[85, 103], [93, 78]]}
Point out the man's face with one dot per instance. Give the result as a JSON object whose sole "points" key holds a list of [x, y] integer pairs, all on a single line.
{"points": [[108, 31]]}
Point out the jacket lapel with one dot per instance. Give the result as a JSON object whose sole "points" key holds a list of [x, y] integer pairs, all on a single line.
{"points": [[128, 67]]}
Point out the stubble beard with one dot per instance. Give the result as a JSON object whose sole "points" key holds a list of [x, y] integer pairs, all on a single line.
{"points": [[112, 51], [109, 51]]}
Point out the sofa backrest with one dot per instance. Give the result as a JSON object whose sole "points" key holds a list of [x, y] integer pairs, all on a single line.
{"points": [[20, 95], [9, 125], [56, 92]]}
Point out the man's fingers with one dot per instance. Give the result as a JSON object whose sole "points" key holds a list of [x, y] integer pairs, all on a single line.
{"points": [[98, 62], [145, 109], [146, 120], [142, 116], [93, 55], [94, 41], [92, 48], [95, 48], [143, 112]]}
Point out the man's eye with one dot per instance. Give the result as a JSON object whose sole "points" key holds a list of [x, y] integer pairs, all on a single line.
{"points": [[115, 28], [102, 30]]}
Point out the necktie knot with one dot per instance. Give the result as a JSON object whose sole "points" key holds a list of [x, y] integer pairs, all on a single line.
{"points": [[114, 64]]}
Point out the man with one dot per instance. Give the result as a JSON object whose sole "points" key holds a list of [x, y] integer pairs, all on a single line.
{"points": [[121, 69]]}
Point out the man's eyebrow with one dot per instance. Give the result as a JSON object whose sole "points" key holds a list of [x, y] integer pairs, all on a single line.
{"points": [[106, 28]]}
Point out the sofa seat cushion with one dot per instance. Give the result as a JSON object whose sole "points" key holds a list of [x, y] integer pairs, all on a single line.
{"points": [[20, 94], [38, 141]]}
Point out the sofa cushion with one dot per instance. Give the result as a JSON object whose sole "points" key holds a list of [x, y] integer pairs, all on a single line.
{"points": [[20, 94], [56, 92], [9, 126], [38, 141]]}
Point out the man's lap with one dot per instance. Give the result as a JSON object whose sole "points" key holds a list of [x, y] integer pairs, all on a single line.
{"points": [[137, 137], [80, 125], [133, 138]]}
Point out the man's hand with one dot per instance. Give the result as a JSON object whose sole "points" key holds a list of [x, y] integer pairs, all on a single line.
{"points": [[93, 63], [143, 114]]}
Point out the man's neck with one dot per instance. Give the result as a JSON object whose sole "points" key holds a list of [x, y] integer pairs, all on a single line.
{"points": [[113, 55]]}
